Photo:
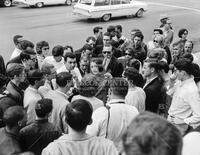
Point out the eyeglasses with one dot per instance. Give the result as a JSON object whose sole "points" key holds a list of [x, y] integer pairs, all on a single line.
{"points": [[128, 54], [108, 52], [155, 41]]}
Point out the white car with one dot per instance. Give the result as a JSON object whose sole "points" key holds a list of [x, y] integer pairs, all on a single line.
{"points": [[41, 3], [105, 9]]}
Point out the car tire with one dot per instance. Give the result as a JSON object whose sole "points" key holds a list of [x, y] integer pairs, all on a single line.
{"points": [[106, 17], [68, 2], [7, 3], [39, 5], [140, 13]]}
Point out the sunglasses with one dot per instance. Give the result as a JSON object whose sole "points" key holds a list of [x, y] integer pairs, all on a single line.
{"points": [[128, 54], [108, 52], [155, 41], [45, 48]]}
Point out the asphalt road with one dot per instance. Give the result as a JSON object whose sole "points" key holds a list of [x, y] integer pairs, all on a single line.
{"points": [[57, 25]]}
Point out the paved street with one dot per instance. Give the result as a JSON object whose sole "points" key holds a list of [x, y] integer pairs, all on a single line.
{"points": [[57, 25]]}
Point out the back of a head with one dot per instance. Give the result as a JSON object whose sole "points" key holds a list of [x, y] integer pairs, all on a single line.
{"points": [[13, 115], [14, 69], [149, 134], [78, 114], [16, 39], [88, 85], [57, 50], [26, 54], [185, 65], [46, 68], [34, 75], [24, 44], [119, 87], [63, 78], [43, 107]]}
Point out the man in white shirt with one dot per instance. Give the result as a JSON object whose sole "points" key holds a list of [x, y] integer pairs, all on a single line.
{"points": [[17, 50], [77, 141], [185, 107], [112, 121]]}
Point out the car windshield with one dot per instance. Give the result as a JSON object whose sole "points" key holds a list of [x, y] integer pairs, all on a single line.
{"points": [[87, 2]]}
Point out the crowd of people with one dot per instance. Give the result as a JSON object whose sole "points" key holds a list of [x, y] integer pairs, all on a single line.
{"points": [[116, 95]]}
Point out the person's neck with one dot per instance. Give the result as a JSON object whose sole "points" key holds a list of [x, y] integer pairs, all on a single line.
{"points": [[14, 130], [63, 89], [152, 76], [77, 134], [16, 82]]}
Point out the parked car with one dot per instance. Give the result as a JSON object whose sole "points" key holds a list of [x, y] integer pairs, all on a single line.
{"points": [[6, 3], [41, 3], [105, 9]]}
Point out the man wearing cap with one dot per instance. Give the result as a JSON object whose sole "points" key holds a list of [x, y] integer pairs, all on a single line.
{"points": [[110, 63]]}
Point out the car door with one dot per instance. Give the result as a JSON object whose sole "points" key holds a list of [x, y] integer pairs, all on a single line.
{"points": [[100, 8], [127, 7], [115, 7]]}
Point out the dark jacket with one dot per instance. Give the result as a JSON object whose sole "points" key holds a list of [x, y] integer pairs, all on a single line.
{"points": [[154, 94], [98, 46], [14, 60], [38, 135], [2, 66], [115, 68]]}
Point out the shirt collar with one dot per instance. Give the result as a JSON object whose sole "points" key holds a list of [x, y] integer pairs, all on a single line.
{"points": [[116, 101], [33, 89], [63, 94], [187, 81]]}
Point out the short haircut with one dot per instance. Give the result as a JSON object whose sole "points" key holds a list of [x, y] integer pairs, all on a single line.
{"points": [[153, 63], [181, 32], [14, 69], [46, 68], [90, 38], [15, 39], [134, 63], [188, 56], [139, 35], [99, 63], [111, 28], [13, 115], [185, 65], [24, 44], [133, 76], [149, 134], [119, 27], [78, 114], [97, 28], [88, 85], [163, 65], [43, 107], [63, 78], [57, 51], [159, 30], [69, 55], [40, 45], [68, 46], [34, 75], [119, 86]]}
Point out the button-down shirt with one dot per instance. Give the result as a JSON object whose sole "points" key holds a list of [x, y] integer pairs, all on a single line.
{"points": [[186, 103]]}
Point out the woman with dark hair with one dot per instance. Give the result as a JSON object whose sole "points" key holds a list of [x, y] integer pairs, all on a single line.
{"points": [[88, 89]]}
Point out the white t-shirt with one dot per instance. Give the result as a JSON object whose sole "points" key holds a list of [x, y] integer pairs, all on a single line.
{"points": [[92, 145], [51, 60]]}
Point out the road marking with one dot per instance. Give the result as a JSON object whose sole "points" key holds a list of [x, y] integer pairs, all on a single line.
{"points": [[175, 6]]}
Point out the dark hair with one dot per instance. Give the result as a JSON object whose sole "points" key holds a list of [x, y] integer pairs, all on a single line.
{"points": [[135, 63], [13, 115], [40, 45], [57, 51], [68, 46], [164, 66], [14, 69], [188, 56], [24, 44], [111, 28], [63, 78], [78, 114], [43, 107], [159, 30], [196, 72], [88, 85], [34, 75], [119, 27], [99, 63], [26, 54], [185, 65], [69, 55], [119, 86], [181, 32], [90, 38], [153, 63], [149, 134], [139, 35], [3, 80], [133, 76], [15, 39], [97, 28], [46, 68]]}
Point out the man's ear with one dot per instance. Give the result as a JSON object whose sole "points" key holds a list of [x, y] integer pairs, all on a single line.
{"points": [[90, 122]]}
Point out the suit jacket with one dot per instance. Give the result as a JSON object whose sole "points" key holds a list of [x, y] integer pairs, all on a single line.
{"points": [[14, 60], [154, 94], [98, 46], [115, 68]]}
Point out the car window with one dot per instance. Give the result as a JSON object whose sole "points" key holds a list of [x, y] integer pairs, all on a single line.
{"points": [[101, 2], [125, 1], [87, 2], [115, 2]]}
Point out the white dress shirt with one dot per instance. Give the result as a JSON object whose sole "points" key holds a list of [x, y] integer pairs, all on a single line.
{"points": [[15, 53], [51, 60]]}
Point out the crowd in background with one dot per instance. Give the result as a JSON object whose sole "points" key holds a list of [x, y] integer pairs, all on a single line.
{"points": [[114, 95]]}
